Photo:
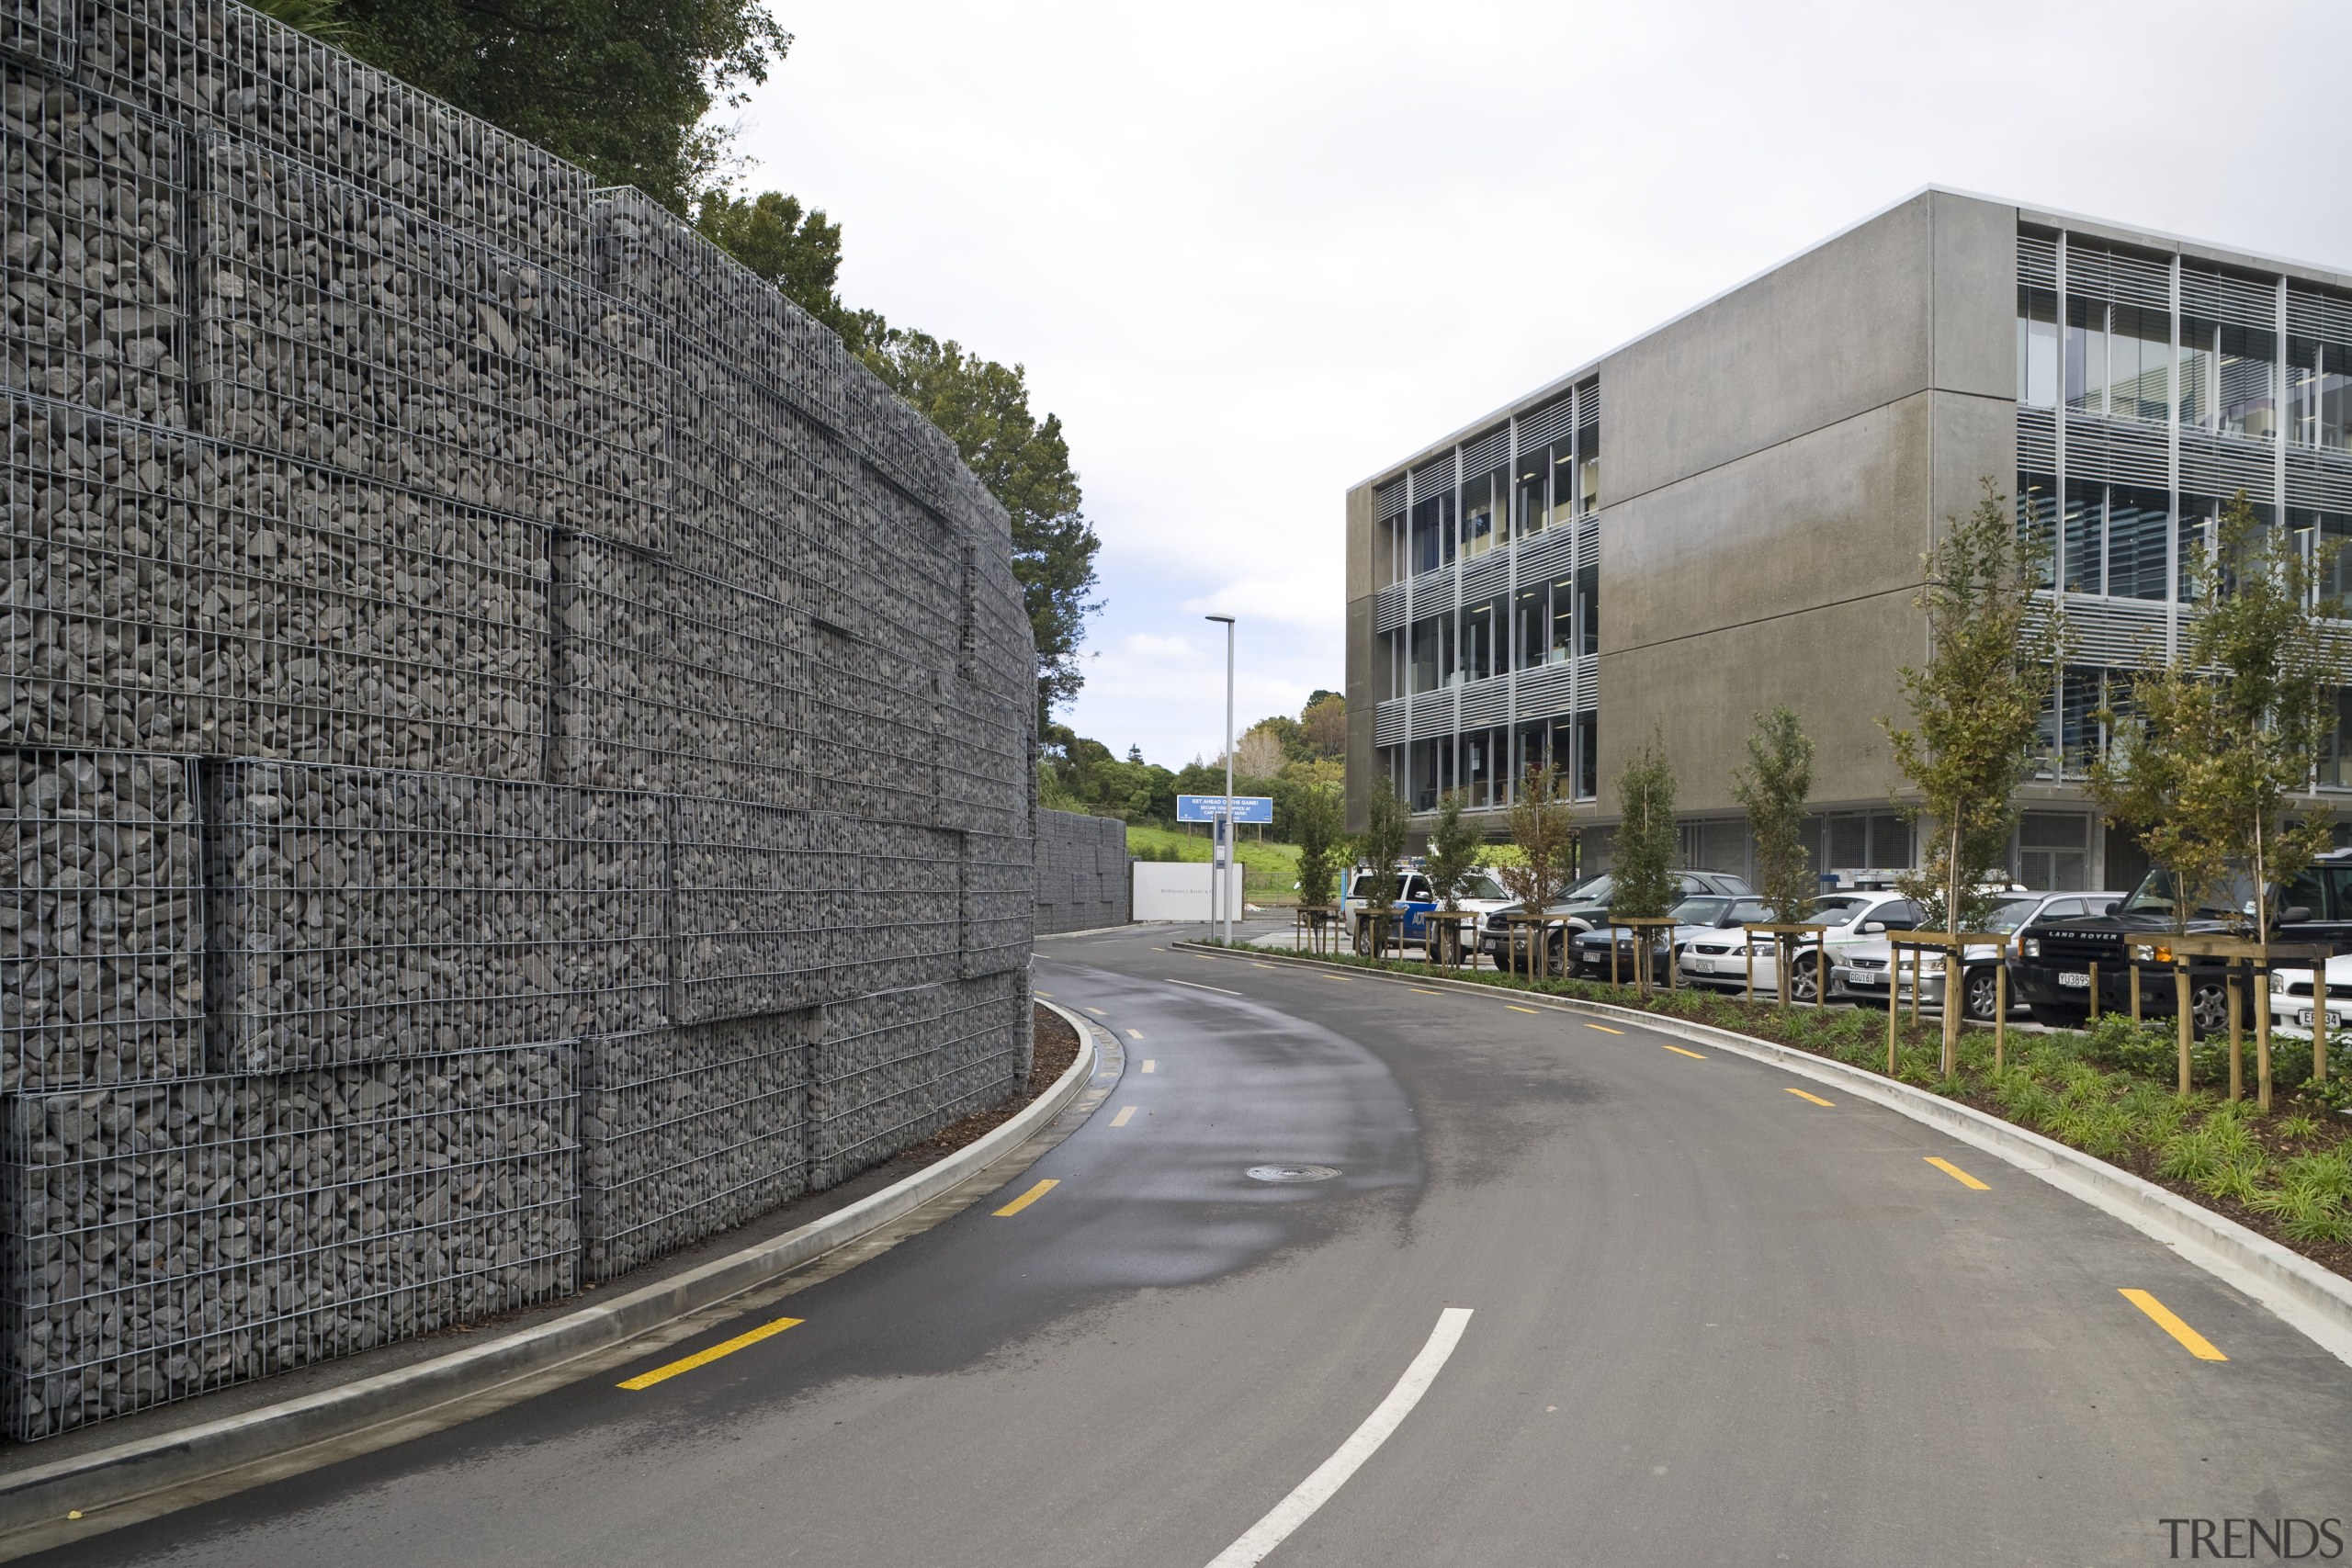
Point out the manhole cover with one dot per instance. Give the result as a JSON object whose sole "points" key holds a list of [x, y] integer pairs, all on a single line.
{"points": [[1292, 1173]]}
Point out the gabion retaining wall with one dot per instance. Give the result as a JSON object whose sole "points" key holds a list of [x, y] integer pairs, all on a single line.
{"points": [[514, 749], [1084, 879]]}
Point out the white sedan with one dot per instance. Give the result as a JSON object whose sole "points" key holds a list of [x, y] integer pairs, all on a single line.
{"points": [[1720, 958], [2291, 1008]]}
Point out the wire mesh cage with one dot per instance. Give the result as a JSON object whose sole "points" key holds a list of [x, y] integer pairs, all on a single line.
{"points": [[890, 1068], [757, 907], [163, 1239], [689, 1131], [95, 257]]}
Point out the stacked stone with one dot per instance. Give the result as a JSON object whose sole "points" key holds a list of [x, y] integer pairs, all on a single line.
{"points": [[686, 1132], [341, 621], [95, 249], [421, 356], [758, 908], [361, 913], [516, 623], [171, 1237], [102, 517], [101, 946], [1084, 881]]}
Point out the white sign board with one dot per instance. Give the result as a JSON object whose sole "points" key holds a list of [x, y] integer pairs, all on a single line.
{"points": [[1167, 890]]}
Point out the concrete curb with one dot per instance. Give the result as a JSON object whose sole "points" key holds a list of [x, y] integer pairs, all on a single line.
{"points": [[108, 1477], [2314, 1300]]}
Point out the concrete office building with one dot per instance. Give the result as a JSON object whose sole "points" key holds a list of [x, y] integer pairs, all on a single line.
{"points": [[1778, 460]]}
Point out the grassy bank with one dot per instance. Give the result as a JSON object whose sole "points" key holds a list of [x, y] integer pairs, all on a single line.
{"points": [[2108, 1092], [1269, 870]]}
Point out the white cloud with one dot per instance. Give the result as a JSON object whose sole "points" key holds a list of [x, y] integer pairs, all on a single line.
{"points": [[1253, 256]]}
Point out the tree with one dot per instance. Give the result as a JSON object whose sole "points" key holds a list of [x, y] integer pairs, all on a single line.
{"points": [[624, 88], [1545, 836], [1323, 725], [1976, 706], [1378, 848], [983, 407], [1454, 848], [2209, 750], [1641, 866], [798, 252], [1260, 753], [1318, 814], [1772, 789]]}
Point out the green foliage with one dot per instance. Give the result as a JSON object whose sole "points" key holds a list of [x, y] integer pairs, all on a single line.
{"points": [[623, 88], [983, 407], [1545, 836], [1078, 774], [1380, 846], [1454, 848], [1976, 706], [1323, 725], [798, 252], [1318, 813], [1772, 789], [1269, 870], [322, 19], [1642, 861], [2213, 749]]}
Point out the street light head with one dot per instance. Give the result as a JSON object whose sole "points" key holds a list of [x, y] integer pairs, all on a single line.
{"points": [[1227, 619]]}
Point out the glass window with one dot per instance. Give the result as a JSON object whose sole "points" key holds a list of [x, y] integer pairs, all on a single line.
{"points": [[1481, 655], [2336, 398], [1589, 455], [2335, 529], [1433, 652], [2037, 518], [2199, 353], [1564, 480], [1433, 765], [2248, 379], [1482, 501], [2138, 521], [1562, 739], [2302, 391], [1531, 502], [2139, 344], [1484, 766], [2053, 851], [1587, 756], [1432, 543], [2038, 348], [2086, 356], [1588, 607], [1534, 750], [2081, 564], [1532, 637], [1564, 608], [2198, 517], [2079, 727]]}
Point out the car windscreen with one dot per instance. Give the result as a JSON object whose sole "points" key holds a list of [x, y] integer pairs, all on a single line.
{"points": [[2011, 915], [2156, 895], [1835, 911], [1699, 912], [1591, 890], [1478, 885]]}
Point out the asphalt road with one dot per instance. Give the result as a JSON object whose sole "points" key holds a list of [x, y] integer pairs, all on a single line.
{"points": [[1712, 1322]]}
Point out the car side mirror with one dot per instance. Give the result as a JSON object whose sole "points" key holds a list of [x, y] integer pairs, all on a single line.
{"points": [[2113, 906], [2293, 914], [1871, 927]]}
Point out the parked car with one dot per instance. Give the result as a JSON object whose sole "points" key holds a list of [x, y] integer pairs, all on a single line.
{"points": [[2052, 970], [1853, 919], [1696, 915], [1580, 908], [2291, 1008], [1861, 970], [1478, 894]]}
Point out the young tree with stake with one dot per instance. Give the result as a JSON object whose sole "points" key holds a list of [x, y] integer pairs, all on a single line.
{"points": [[1545, 836], [1976, 709]]}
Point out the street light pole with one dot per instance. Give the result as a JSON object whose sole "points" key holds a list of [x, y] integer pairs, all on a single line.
{"points": [[1222, 891]]}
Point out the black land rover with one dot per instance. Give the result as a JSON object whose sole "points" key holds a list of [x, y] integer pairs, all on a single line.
{"points": [[2052, 969]]}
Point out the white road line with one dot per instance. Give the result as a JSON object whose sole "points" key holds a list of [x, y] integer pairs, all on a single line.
{"points": [[1198, 987], [1332, 1473]]}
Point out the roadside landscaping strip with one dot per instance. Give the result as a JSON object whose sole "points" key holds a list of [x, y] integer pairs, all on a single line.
{"points": [[401, 1402], [2314, 1300]]}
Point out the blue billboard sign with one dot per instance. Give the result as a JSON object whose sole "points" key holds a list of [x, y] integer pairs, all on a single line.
{"points": [[1209, 807]]}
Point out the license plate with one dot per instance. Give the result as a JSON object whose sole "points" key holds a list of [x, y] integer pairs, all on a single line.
{"points": [[2304, 1019], [2079, 982]]}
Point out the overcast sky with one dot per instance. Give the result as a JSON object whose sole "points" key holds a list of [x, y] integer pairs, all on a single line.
{"points": [[1251, 253]]}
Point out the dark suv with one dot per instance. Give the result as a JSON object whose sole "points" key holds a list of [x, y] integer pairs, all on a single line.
{"points": [[2050, 972]]}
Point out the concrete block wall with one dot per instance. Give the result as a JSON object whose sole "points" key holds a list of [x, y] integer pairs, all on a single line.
{"points": [[1083, 880], [514, 749]]}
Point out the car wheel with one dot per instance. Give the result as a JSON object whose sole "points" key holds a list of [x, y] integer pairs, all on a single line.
{"points": [[2209, 1007], [1981, 991], [1364, 939], [1805, 980], [2053, 1015]]}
